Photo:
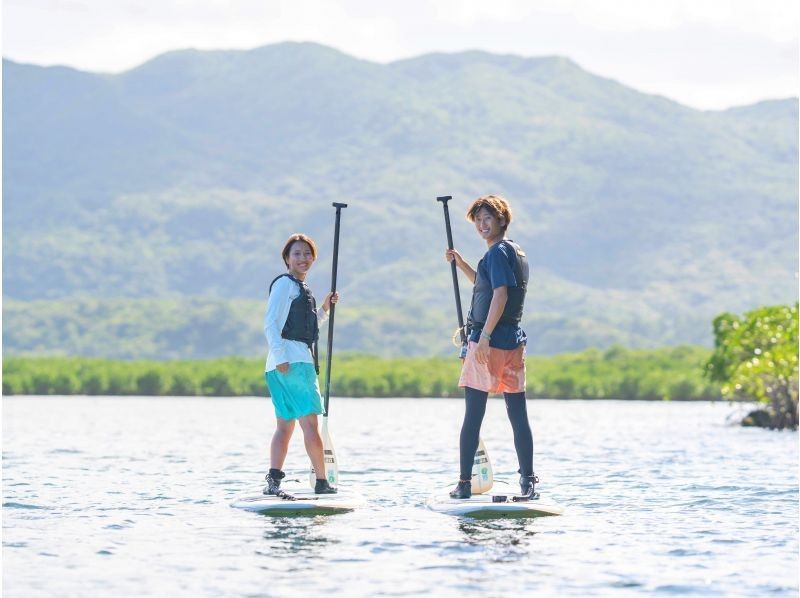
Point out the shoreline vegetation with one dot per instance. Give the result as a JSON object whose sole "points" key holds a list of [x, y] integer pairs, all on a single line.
{"points": [[755, 358], [673, 373]]}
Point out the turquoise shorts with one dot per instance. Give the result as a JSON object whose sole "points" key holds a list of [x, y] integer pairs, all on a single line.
{"points": [[294, 394]]}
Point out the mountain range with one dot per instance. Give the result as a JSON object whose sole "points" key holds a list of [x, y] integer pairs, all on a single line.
{"points": [[144, 212]]}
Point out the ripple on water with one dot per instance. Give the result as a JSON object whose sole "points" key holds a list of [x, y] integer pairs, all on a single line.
{"points": [[624, 584], [19, 505], [117, 526], [688, 552]]}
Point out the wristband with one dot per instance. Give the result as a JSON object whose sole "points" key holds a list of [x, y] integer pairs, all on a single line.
{"points": [[486, 335]]}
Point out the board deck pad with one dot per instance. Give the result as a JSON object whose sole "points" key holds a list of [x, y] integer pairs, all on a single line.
{"points": [[500, 502], [305, 502]]}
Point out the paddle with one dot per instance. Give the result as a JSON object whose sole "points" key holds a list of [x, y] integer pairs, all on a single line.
{"points": [[444, 199], [482, 473], [331, 466]]}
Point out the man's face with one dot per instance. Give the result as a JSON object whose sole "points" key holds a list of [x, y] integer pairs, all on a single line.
{"points": [[489, 226]]}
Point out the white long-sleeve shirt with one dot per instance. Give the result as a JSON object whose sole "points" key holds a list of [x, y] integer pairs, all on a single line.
{"points": [[282, 350]]}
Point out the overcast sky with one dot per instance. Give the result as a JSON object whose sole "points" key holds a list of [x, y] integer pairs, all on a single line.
{"points": [[704, 53]]}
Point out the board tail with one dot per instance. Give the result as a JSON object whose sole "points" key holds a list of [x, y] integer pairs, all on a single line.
{"points": [[482, 474], [329, 454]]}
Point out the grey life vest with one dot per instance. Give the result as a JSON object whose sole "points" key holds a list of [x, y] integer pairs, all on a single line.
{"points": [[482, 292]]}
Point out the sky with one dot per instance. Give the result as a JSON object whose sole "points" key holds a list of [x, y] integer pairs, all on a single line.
{"points": [[708, 54]]}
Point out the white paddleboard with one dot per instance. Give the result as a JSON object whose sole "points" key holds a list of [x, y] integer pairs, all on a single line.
{"points": [[305, 503], [494, 504]]}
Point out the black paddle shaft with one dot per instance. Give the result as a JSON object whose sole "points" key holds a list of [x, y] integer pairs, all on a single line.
{"points": [[444, 199], [338, 207]]}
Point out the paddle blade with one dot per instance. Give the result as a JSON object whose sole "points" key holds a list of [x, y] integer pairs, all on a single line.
{"points": [[329, 454], [331, 464], [482, 474]]}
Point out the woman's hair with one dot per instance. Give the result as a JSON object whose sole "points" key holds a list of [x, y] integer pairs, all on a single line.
{"points": [[292, 240], [495, 204]]}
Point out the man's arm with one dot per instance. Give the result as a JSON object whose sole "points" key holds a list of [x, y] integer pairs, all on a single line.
{"points": [[496, 307], [499, 299]]}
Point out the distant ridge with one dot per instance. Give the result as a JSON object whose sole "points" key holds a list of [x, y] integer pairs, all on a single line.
{"points": [[180, 179]]}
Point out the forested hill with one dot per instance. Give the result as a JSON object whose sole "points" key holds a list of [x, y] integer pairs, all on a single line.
{"points": [[170, 188]]}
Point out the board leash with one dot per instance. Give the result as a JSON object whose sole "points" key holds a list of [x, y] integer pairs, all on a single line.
{"points": [[502, 498]]}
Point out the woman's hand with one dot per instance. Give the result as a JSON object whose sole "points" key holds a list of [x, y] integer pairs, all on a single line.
{"points": [[282, 367], [330, 298], [482, 351]]}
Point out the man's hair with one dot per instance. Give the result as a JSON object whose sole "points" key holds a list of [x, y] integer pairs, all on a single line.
{"points": [[496, 205], [292, 240]]}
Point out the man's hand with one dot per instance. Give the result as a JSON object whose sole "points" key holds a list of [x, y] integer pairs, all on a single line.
{"points": [[482, 351], [452, 254]]}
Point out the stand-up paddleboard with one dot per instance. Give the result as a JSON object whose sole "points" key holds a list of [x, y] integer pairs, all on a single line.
{"points": [[495, 504], [298, 501]]}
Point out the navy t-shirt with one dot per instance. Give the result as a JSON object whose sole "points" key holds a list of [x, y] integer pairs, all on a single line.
{"points": [[498, 267]]}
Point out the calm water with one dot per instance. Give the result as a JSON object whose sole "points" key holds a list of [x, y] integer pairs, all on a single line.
{"points": [[129, 496]]}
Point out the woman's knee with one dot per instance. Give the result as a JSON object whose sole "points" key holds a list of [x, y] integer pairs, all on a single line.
{"points": [[285, 427], [309, 424]]}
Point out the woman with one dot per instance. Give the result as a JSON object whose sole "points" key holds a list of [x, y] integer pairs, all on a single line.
{"points": [[291, 325], [495, 360]]}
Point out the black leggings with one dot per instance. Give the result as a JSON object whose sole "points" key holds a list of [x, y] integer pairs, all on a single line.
{"points": [[471, 429]]}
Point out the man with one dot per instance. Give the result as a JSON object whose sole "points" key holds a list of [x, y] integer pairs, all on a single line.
{"points": [[495, 360]]}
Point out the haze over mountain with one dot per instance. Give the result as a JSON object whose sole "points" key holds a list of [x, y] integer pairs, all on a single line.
{"points": [[144, 212]]}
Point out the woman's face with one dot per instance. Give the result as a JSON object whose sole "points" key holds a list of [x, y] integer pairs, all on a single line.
{"points": [[300, 259], [489, 226]]}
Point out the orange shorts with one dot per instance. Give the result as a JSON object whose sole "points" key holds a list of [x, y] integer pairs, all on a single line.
{"points": [[505, 371]]}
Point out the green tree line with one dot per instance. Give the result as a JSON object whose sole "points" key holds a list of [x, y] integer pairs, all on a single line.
{"points": [[675, 373]]}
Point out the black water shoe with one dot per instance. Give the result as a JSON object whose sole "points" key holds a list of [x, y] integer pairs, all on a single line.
{"points": [[527, 484], [323, 487], [463, 490], [273, 478]]}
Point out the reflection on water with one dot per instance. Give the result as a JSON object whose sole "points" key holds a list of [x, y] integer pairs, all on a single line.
{"points": [[504, 540], [290, 537], [130, 496]]}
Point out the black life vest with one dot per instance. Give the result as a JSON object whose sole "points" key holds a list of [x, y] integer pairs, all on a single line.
{"points": [[301, 324], [482, 291]]}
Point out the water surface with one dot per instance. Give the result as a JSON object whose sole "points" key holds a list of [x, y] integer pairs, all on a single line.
{"points": [[129, 496]]}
